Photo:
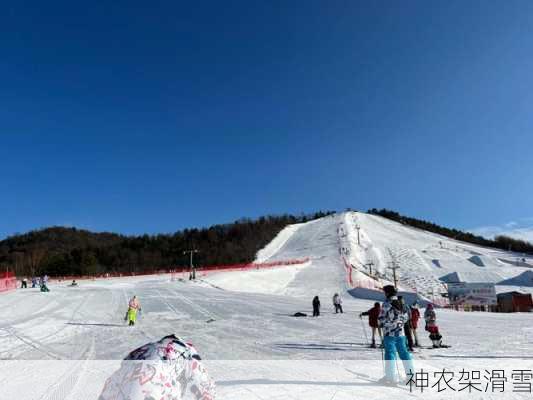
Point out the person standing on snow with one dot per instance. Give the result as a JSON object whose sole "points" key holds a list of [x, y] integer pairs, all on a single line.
{"points": [[373, 315], [407, 325], [134, 306], [392, 319], [316, 307], [415, 316], [337, 303], [431, 326]]}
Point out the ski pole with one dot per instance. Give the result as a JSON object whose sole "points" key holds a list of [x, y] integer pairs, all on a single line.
{"points": [[382, 357], [364, 330]]}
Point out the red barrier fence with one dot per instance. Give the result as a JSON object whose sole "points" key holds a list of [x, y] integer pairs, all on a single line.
{"points": [[7, 282], [348, 268], [251, 266], [185, 269]]}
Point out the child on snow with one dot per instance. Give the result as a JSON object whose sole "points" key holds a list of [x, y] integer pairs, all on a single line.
{"points": [[431, 326], [133, 307], [392, 319], [373, 315]]}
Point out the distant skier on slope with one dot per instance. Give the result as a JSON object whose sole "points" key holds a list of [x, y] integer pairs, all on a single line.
{"points": [[392, 320], [431, 326], [337, 303], [316, 306], [167, 369], [134, 306], [373, 315]]}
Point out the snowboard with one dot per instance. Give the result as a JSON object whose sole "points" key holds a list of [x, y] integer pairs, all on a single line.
{"points": [[442, 346]]}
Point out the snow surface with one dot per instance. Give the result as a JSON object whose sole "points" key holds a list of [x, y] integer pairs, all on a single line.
{"points": [[241, 322]]}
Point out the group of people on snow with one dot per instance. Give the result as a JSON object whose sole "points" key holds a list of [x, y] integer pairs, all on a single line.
{"points": [[42, 282], [337, 305], [410, 326], [396, 324]]}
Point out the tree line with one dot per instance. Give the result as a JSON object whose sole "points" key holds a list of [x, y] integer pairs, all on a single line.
{"points": [[62, 251], [500, 242]]}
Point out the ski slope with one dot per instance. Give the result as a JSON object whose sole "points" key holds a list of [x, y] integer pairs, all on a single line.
{"points": [[370, 244], [424, 258], [71, 339]]}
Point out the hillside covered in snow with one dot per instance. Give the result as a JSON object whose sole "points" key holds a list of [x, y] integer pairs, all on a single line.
{"points": [[356, 252]]}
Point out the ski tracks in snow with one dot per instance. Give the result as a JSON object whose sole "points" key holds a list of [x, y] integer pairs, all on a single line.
{"points": [[68, 387], [195, 306]]}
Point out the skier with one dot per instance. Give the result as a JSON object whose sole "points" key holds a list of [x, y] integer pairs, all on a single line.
{"points": [[431, 326], [337, 303], [392, 320], [167, 369], [33, 282], [407, 326], [415, 316], [316, 306], [373, 315], [24, 283], [134, 306]]}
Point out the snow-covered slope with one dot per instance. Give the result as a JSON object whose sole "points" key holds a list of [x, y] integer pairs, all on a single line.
{"points": [[424, 258], [316, 240], [356, 250]]}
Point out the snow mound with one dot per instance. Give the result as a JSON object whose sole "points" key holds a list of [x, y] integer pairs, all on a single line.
{"points": [[524, 279], [472, 277]]}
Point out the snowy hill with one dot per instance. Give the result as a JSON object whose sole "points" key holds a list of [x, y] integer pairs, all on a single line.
{"points": [[340, 260]]}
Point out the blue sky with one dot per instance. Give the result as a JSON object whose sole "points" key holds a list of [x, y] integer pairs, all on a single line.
{"points": [[154, 116]]}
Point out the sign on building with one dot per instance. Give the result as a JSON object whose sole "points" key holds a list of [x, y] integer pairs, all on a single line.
{"points": [[472, 294]]}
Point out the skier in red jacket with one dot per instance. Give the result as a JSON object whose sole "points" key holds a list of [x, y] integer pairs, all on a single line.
{"points": [[373, 314]]}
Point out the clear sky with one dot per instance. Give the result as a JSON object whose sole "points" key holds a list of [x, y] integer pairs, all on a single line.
{"points": [[154, 116]]}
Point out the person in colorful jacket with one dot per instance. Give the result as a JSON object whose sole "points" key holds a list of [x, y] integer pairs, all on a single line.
{"points": [[392, 319], [134, 306], [431, 326], [169, 369]]}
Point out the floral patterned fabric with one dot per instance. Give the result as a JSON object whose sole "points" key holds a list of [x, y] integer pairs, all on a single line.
{"points": [[169, 369]]}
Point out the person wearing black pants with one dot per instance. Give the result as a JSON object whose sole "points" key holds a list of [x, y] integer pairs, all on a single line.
{"points": [[337, 303], [316, 306], [407, 325]]}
